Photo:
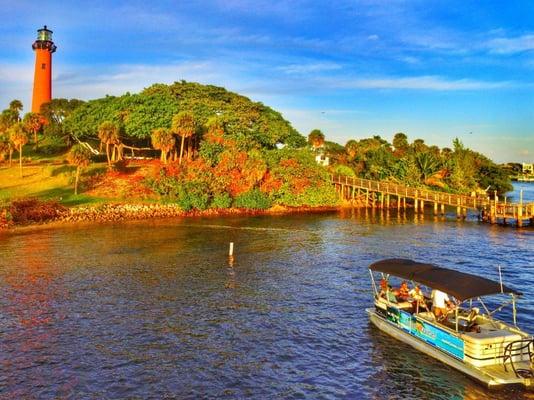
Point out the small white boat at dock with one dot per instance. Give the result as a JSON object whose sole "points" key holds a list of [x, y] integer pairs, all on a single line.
{"points": [[473, 341]]}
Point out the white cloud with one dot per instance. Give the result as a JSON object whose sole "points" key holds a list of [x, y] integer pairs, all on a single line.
{"points": [[409, 60], [308, 68], [373, 37], [415, 83], [76, 82], [511, 45], [16, 73], [130, 78]]}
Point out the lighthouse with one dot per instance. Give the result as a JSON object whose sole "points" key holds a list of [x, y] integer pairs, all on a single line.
{"points": [[42, 79]]}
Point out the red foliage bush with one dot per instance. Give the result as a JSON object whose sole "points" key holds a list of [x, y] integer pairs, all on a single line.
{"points": [[34, 210]]}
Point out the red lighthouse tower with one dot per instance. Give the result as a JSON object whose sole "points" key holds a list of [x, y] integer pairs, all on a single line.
{"points": [[42, 80]]}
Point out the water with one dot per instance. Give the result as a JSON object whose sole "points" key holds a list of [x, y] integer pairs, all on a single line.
{"points": [[152, 310], [528, 192]]}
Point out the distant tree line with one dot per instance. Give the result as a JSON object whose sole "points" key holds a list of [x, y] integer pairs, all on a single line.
{"points": [[457, 170]]}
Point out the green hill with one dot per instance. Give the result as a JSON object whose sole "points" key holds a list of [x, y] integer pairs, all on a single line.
{"points": [[139, 114]]}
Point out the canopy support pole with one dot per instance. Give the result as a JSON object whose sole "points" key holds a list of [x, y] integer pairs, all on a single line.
{"points": [[514, 310], [373, 282]]}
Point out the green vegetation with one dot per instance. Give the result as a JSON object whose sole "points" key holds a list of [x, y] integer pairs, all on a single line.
{"points": [[18, 137], [217, 150], [139, 114], [459, 170], [80, 157]]}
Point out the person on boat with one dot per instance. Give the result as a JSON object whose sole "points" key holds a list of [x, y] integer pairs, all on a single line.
{"points": [[383, 287], [383, 284], [418, 298], [441, 304], [387, 292], [403, 292]]}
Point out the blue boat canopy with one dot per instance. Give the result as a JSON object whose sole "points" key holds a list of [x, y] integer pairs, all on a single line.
{"points": [[461, 285]]}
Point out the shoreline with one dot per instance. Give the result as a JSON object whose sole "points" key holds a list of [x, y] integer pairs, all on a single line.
{"points": [[120, 212]]}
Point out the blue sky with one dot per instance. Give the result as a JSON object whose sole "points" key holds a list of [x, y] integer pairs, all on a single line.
{"points": [[432, 69]]}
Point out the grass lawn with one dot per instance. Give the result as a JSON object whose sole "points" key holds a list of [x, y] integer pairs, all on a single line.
{"points": [[45, 181]]}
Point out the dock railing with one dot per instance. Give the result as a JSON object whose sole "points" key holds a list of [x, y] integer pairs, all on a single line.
{"points": [[489, 207]]}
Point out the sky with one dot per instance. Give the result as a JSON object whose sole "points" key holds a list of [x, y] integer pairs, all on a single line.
{"points": [[435, 70]]}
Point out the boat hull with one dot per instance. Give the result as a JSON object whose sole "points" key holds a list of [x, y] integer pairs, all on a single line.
{"points": [[489, 380]]}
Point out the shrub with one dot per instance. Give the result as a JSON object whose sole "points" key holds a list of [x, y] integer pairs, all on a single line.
{"points": [[52, 145], [34, 210], [192, 199], [211, 152], [188, 195], [254, 199], [221, 200], [344, 170]]}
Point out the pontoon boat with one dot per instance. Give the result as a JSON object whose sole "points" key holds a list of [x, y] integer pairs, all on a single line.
{"points": [[468, 339]]}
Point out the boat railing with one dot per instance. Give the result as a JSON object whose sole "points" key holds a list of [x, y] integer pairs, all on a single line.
{"points": [[520, 351]]}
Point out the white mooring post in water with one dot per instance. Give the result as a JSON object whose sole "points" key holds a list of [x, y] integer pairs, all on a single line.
{"points": [[231, 255]]}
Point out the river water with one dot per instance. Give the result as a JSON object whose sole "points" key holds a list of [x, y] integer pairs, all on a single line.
{"points": [[153, 310]]}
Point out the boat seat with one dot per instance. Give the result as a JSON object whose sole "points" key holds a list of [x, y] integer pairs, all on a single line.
{"points": [[428, 315], [403, 305]]}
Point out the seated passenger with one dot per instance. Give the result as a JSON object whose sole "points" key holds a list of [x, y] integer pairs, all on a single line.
{"points": [[383, 288], [390, 296], [418, 298], [441, 304], [403, 292]]}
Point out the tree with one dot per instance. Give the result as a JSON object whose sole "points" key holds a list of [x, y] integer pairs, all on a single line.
{"points": [[56, 110], [316, 138], [16, 106], [19, 137], [183, 124], [351, 147], [33, 123], [5, 149], [163, 139], [427, 163], [108, 133], [400, 142], [7, 119], [79, 156], [155, 107], [419, 145]]}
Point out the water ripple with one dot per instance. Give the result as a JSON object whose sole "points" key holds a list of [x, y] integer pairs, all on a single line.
{"points": [[152, 309]]}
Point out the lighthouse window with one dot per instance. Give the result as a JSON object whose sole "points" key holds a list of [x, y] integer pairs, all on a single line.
{"points": [[43, 66]]}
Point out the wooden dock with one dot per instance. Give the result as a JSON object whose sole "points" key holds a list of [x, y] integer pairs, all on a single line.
{"points": [[377, 194]]}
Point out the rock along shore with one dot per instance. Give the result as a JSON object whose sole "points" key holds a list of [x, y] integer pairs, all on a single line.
{"points": [[125, 212]]}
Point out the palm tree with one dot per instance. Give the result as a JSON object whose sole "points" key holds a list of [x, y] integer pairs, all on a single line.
{"points": [[316, 138], [19, 137], [7, 119], [163, 139], [79, 156], [16, 106], [108, 133], [183, 124], [427, 163], [33, 123]]}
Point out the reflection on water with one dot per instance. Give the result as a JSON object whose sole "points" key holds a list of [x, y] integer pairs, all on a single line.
{"points": [[154, 309]]}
